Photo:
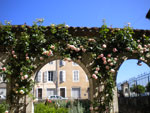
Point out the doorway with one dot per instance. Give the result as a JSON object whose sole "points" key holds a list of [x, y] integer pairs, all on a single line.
{"points": [[39, 93], [62, 92]]}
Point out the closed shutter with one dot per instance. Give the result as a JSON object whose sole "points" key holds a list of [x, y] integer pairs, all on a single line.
{"points": [[54, 76], [45, 76], [50, 92], [61, 63], [39, 76], [75, 93], [36, 93], [62, 76], [1, 79]]}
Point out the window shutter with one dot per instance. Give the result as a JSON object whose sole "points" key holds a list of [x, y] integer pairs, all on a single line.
{"points": [[76, 93], [45, 76], [61, 76], [1, 79], [86, 78], [36, 79], [39, 76], [64, 76], [54, 76], [36, 93], [61, 63]]}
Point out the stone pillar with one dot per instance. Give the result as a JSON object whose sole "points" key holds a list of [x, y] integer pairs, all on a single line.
{"points": [[115, 102], [30, 106]]}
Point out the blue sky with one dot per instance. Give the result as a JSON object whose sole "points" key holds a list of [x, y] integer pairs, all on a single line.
{"points": [[130, 69], [82, 13]]}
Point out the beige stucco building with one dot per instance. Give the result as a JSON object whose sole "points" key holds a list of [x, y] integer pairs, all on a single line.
{"points": [[63, 78], [2, 86]]}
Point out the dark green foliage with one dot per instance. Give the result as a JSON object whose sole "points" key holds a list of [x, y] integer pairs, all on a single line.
{"points": [[50, 108], [148, 87], [138, 89], [3, 107], [63, 106], [85, 104]]}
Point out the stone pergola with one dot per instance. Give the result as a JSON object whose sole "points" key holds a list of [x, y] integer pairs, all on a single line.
{"points": [[84, 59]]}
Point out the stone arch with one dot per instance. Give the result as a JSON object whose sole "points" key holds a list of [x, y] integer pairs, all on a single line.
{"points": [[82, 65], [127, 56], [97, 49], [123, 57]]}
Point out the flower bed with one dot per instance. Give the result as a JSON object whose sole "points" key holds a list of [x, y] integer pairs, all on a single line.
{"points": [[62, 106]]}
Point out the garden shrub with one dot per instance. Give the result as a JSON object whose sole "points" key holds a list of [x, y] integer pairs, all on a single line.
{"points": [[63, 103], [85, 104], [49, 108], [63, 106], [62, 110], [76, 108], [3, 107]]}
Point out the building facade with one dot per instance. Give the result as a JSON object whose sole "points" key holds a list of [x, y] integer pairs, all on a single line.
{"points": [[63, 78], [2, 86]]}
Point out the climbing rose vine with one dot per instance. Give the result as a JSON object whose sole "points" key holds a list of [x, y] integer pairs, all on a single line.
{"points": [[27, 45]]}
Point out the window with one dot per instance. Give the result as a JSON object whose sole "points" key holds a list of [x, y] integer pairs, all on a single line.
{"points": [[3, 90], [62, 76], [61, 63], [50, 76], [38, 76], [75, 76], [39, 93], [63, 92], [51, 62], [74, 64], [75, 93], [126, 90], [50, 92], [1, 79]]}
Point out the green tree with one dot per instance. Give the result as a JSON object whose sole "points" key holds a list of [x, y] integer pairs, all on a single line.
{"points": [[148, 87], [138, 89]]}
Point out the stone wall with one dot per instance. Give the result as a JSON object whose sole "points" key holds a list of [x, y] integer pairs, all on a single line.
{"points": [[134, 104]]}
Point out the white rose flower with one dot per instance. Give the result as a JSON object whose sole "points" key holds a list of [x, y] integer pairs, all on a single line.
{"points": [[25, 76], [112, 71], [21, 92]]}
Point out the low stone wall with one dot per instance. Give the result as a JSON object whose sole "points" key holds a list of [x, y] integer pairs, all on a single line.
{"points": [[134, 104]]}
